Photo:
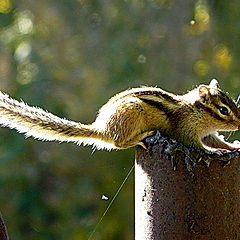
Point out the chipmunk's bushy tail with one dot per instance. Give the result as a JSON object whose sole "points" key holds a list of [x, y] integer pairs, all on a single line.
{"points": [[42, 125]]}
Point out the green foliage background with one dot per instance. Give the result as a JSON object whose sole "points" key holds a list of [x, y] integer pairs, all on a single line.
{"points": [[69, 57]]}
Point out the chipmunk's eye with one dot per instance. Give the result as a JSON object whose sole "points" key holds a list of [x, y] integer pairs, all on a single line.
{"points": [[223, 110]]}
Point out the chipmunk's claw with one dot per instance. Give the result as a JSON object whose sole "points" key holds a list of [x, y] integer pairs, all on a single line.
{"points": [[222, 155]]}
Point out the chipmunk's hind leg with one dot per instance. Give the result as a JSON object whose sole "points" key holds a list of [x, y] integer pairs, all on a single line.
{"points": [[136, 140], [126, 124]]}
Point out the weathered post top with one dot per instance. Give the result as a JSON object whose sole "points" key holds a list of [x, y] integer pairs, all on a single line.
{"points": [[184, 204]]}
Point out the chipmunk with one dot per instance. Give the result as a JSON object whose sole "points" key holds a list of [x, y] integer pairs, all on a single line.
{"points": [[127, 118]]}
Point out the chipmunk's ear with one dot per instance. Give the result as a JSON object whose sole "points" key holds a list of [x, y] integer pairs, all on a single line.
{"points": [[204, 92], [214, 86], [214, 83]]}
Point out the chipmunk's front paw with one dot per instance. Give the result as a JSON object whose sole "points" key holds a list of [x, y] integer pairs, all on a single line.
{"points": [[224, 152], [225, 156]]}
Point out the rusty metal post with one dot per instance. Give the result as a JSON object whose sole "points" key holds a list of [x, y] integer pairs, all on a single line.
{"points": [[182, 205]]}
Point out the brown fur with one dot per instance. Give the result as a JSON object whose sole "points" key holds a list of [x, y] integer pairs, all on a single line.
{"points": [[127, 118]]}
